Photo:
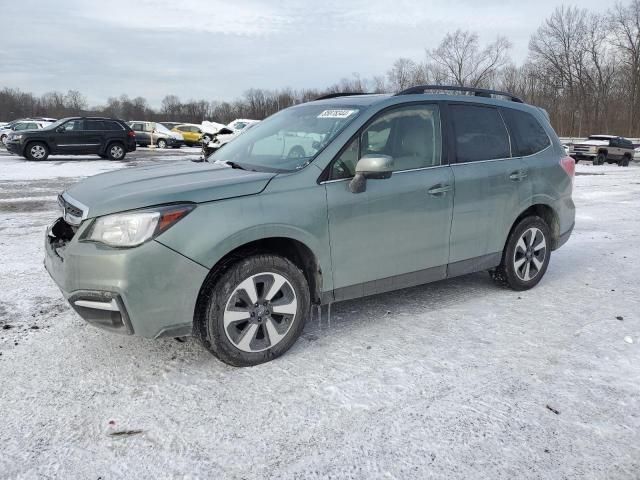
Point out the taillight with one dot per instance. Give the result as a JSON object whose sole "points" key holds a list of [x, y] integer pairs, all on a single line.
{"points": [[569, 165], [131, 133]]}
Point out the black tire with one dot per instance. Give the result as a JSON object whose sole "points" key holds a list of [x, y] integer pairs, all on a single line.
{"points": [[600, 159], [576, 160], [116, 151], [507, 273], [625, 161], [162, 143], [2, 139], [216, 294], [36, 151]]}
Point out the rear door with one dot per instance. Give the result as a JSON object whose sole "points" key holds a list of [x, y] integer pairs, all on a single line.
{"points": [[94, 136], [142, 137], [490, 186]]}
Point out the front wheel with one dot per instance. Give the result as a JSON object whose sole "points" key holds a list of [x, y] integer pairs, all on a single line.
{"points": [[162, 143], [600, 159], [37, 151], [526, 255], [255, 311], [624, 162]]}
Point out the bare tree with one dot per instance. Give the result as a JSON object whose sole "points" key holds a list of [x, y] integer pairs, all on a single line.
{"points": [[402, 74], [464, 62], [625, 22]]}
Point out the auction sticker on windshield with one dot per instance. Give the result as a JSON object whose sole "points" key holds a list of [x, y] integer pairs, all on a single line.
{"points": [[336, 113]]}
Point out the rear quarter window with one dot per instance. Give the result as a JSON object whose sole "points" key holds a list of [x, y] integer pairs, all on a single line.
{"points": [[527, 135]]}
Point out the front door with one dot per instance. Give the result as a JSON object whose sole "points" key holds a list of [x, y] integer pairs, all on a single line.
{"points": [[69, 137], [396, 233]]}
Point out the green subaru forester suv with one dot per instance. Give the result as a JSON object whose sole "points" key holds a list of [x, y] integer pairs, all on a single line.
{"points": [[335, 199]]}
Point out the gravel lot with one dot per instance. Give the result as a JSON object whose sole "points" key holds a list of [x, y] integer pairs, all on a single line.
{"points": [[454, 380]]}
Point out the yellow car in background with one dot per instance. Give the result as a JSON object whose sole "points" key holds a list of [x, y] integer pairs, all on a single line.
{"points": [[191, 133]]}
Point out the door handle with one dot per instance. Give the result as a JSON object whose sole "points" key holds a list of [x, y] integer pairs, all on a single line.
{"points": [[439, 189], [518, 175]]}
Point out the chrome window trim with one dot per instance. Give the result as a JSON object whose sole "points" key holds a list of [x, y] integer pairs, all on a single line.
{"points": [[501, 159]]}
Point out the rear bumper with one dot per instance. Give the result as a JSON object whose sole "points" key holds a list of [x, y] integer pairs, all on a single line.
{"points": [[564, 237], [150, 291]]}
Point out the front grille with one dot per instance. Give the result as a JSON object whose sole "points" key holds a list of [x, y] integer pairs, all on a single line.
{"points": [[71, 213], [581, 149]]}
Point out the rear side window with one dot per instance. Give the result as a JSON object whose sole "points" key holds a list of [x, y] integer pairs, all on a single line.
{"points": [[480, 133], [527, 134], [94, 125]]}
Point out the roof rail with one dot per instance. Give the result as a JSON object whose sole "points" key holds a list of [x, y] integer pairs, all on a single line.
{"points": [[341, 94], [478, 92]]}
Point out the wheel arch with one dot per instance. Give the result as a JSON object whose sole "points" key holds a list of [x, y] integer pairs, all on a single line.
{"points": [[292, 249], [548, 214], [30, 141]]}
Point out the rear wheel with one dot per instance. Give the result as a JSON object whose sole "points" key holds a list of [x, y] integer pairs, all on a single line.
{"points": [[37, 151], [526, 255], [255, 311], [115, 151], [3, 139]]}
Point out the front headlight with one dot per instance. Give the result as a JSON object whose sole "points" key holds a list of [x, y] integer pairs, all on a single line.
{"points": [[15, 136], [130, 229]]}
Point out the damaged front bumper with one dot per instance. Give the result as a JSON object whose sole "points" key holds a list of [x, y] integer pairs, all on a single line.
{"points": [[150, 291]]}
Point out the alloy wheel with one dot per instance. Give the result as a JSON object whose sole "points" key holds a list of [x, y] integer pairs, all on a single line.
{"points": [[116, 152], [530, 254], [37, 152], [260, 312]]}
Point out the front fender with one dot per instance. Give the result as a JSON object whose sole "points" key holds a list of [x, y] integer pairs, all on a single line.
{"points": [[215, 229]]}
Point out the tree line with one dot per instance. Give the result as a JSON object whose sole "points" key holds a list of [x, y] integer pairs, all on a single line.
{"points": [[582, 67]]}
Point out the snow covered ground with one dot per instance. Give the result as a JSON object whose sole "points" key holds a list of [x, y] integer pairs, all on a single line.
{"points": [[454, 380]]}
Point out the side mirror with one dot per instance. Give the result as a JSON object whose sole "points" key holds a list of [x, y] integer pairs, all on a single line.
{"points": [[371, 166]]}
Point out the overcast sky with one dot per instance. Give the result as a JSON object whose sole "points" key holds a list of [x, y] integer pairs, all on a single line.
{"points": [[215, 50]]}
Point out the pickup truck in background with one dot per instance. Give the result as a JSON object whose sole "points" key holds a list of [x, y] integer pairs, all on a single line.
{"points": [[602, 149]]}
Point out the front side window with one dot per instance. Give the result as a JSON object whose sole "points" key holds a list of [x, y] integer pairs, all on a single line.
{"points": [[72, 126], [410, 135], [288, 140], [480, 133], [20, 126], [528, 136]]}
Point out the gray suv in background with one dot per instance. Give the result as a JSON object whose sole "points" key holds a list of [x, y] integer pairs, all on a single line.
{"points": [[162, 136], [391, 191]]}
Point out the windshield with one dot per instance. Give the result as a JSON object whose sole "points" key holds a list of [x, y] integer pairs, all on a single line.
{"points": [[162, 129], [288, 140], [55, 125]]}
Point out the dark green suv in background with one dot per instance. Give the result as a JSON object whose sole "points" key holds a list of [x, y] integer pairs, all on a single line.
{"points": [[385, 192]]}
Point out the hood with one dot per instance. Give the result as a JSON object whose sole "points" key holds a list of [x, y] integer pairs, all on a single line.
{"points": [[132, 188]]}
